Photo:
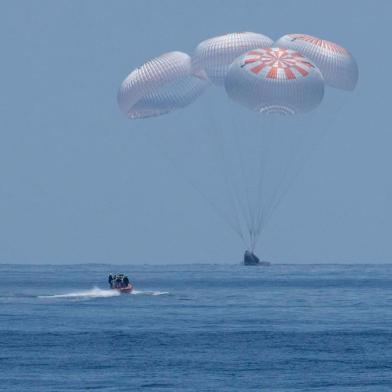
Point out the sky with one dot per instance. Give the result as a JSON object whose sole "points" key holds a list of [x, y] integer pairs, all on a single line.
{"points": [[80, 183]]}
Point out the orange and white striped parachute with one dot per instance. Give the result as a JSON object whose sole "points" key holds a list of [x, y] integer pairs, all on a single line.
{"points": [[275, 80], [336, 64]]}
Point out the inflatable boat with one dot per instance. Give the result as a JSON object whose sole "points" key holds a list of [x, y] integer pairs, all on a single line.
{"points": [[120, 282], [124, 290]]}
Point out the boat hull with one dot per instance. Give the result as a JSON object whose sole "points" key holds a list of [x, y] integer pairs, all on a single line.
{"points": [[125, 290]]}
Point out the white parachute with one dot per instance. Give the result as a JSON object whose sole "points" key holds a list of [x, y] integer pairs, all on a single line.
{"points": [[336, 64], [161, 85], [216, 54]]}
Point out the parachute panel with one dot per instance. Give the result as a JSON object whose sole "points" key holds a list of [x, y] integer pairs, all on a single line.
{"points": [[216, 54], [159, 86], [274, 80], [336, 64]]}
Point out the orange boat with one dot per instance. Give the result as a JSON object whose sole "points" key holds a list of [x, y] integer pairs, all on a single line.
{"points": [[125, 290]]}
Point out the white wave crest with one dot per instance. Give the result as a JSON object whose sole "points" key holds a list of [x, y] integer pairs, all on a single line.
{"points": [[139, 292], [93, 293]]}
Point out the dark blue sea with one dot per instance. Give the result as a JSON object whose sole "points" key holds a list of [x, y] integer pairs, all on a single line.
{"points": [[196, 328]]}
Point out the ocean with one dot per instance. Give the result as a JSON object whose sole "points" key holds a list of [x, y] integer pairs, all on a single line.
{"points": [[197, 327]]}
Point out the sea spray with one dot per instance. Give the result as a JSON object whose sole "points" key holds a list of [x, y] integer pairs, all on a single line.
{"points": [[96, 292]]}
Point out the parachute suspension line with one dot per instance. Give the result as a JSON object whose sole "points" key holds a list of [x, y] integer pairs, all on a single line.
{"points": [[248, 212], [232, 199], [302, 157], [244, 201], [327, 124], [266, 140], [231, 189], [277, 191], [269, 204], [248, 208], [192, 183], [234, 190]]}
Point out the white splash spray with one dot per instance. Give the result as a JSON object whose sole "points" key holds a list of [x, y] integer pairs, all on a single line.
{"points": [[96, 292], [93, 293], [137, 292]]}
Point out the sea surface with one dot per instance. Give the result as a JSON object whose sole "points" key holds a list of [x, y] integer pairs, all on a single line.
{"points": [[196, 328]]}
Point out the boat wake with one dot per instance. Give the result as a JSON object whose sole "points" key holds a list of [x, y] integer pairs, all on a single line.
{"points": [[137, 292], [96, 292], [93, 293]]}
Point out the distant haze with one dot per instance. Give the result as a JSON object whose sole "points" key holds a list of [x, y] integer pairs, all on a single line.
{"points": [[80, 183]]}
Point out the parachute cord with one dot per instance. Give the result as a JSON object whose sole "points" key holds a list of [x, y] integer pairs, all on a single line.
{"points": [[248, 206], [280, 197], [234, 189], [244, 205], [326, 125], [276, 194], [190, 182], [218, 141], [283, 179], [234, 200], [263, 166]]}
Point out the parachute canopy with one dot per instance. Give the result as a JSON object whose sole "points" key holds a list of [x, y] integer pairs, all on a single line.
{"points": [[215, 55], [161, 85], [275, 80], [336, 64]]}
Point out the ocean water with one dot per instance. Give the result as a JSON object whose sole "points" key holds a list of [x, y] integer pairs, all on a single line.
{"points": [[196, 328]]}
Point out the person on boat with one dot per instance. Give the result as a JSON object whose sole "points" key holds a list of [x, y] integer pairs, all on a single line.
{"points": [[110, 280], [125, 281]]}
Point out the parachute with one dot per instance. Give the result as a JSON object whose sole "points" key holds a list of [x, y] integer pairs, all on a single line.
{"points": [[336, 64], [258, 152], [159, 86], [216, 54], [275, 80]]}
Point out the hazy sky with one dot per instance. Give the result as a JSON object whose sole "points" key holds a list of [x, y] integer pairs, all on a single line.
{"points": [[80, 183]]}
